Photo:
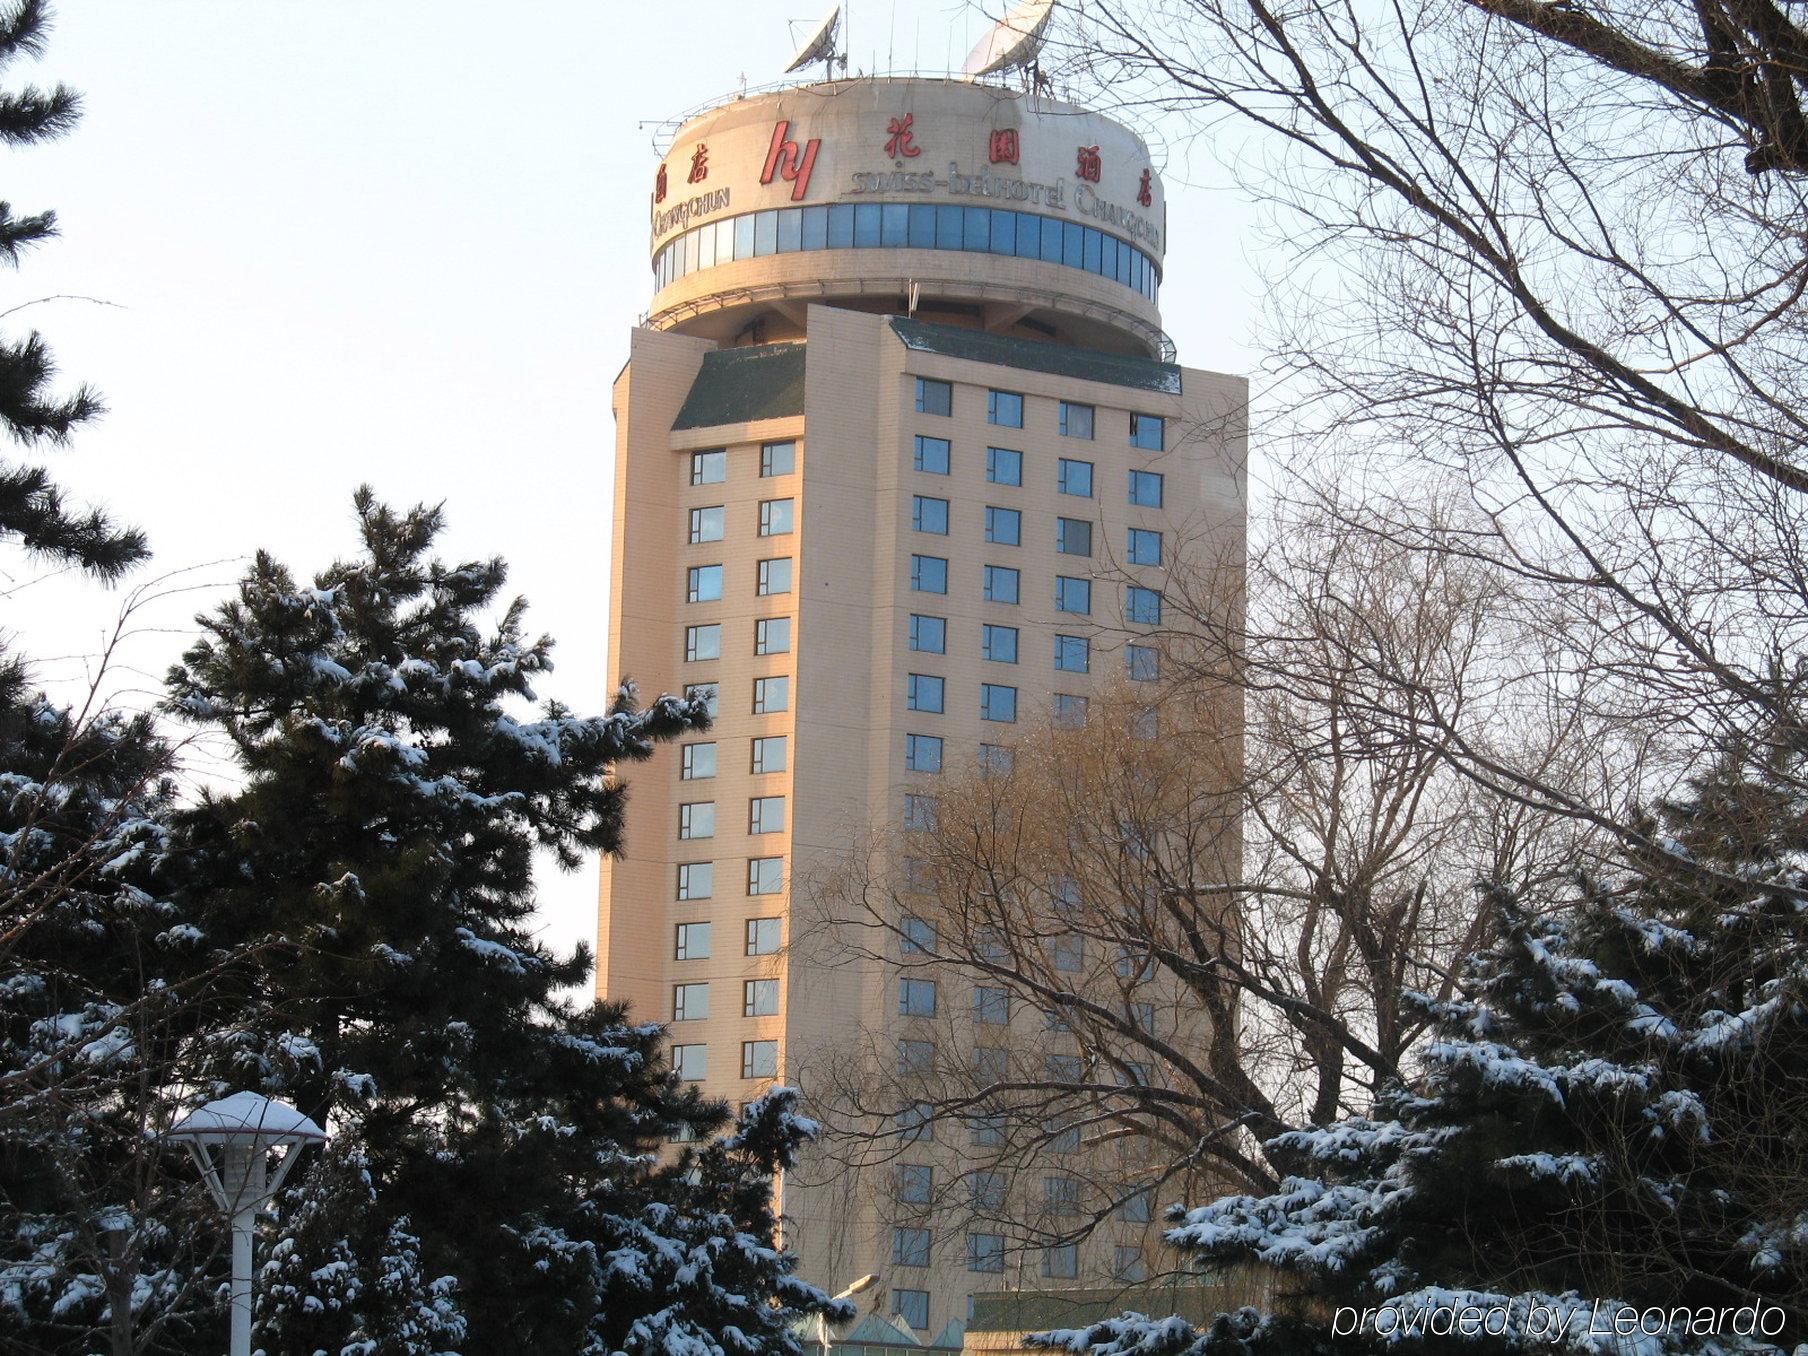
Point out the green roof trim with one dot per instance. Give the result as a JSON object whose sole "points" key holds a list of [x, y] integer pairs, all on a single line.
{"points": [[740, 385], [1033, 355]]}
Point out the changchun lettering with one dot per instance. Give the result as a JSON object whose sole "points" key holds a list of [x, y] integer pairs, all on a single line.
{"points": [[682, 214]]}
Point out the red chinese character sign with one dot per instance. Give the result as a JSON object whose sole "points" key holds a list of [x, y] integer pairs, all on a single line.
{"points": [[1145, 193], [899, 143], [1089, 166], [1003, 149], [659, 185], [786, 159], [699, 164]]}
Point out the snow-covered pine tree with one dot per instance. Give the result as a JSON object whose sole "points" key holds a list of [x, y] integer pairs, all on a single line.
{"points": [[100, 973], [1613, 1123], [398, 774], [33, 512]]}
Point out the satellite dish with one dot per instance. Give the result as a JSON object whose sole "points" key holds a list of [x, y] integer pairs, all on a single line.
{"points": [[1013, 42], [820, 45]]}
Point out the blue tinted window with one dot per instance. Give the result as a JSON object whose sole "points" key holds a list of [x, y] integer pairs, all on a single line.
{"points": [[1074, 594], [1000, 584], [948, 227], [1073, 244], [1004, 232], [1029, 236], [1145, 489], [1051, 239], [932, 455], [816, 228], [841, 226], [1142, 605], [1004, 466], [866, 225], [743, 237], [931, 515], [765, 232], [894, 223], [922, 226], [1123, 263], [1091, 262], [928, 574], [790, 229], [1108, 255], [929, 634], [979, 229], [998, 644]]}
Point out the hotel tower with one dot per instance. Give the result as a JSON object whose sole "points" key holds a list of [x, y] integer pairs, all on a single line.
{"points": [[897, 449]]}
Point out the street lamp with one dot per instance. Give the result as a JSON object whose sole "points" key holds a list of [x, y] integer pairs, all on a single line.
{"points": [[822, 1320], [245, 1127]]}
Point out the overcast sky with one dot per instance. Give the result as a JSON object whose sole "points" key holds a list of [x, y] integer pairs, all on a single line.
{"points": [[403, 243]]}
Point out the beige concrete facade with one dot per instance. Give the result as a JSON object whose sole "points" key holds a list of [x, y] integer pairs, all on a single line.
{"points": [[850, 543]]}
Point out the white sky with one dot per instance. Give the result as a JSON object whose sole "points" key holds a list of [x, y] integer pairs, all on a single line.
{"points": [[403, 243]]}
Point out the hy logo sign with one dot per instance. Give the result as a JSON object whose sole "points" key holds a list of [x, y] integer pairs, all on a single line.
{"points": [[788, 161]]}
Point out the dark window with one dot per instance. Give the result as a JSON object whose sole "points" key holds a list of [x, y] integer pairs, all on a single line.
{"points": [[1073, 536], [934, 397]]}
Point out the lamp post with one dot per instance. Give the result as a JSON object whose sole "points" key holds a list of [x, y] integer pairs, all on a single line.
{"points": [[245, 1128], [822, 1320]]}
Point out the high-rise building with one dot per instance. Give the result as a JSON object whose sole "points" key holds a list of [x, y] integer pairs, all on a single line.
{"points": [[897, 448]]}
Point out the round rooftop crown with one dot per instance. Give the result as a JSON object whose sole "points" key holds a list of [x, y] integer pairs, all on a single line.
{"points": [[1010, 211]]}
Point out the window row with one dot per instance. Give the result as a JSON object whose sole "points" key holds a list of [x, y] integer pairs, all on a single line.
{"points": [[765, 814], [1005, 409], [770, 753], [709, 522], [765, 876], [1004, 527], [690, 1002], [897, 225], [771, 635], [711, 467], [1002, 584], [691, 941], [1004, 466], [998, 645], [759, 1059], [770, 695]]}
